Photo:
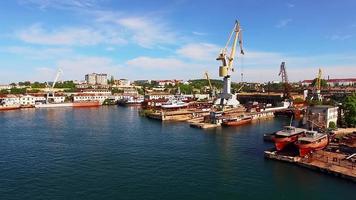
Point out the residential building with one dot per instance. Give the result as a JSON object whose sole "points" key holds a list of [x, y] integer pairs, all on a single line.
{"points": [[5, 87], [334, 82], [96, 79]]}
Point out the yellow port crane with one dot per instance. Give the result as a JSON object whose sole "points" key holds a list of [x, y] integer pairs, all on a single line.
{"points": [[207, 78], [212, 90], [316, 95], [318, 80], [226, 68], [227, 61]]}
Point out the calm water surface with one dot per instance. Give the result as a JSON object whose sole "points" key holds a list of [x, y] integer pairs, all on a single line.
{"points": [[112, 153]]}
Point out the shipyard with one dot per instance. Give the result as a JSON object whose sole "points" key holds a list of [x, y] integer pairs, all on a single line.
{"points": [[213, 107], [135, 106]]}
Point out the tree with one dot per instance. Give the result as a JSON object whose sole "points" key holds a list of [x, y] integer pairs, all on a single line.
{"points": [[332, 125], [349, 107]]}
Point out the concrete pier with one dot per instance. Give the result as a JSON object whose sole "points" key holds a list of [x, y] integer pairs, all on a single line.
{"points": [[322, 161]]}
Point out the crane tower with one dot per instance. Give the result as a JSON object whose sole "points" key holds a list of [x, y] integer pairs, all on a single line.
{"points": [[286, 86], [226, 69]]}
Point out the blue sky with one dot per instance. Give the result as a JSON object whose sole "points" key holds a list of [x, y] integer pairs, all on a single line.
{"points": [[160, 39]]}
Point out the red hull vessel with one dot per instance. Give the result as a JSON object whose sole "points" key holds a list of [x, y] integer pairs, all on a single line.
{"points": [[4, 108], [287, 136], [237, 122], [312, 141], [86, 104]]}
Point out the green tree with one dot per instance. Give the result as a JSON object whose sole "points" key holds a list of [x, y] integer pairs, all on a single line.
{"points": [[332, 125], [349, 107], [4, 92]]}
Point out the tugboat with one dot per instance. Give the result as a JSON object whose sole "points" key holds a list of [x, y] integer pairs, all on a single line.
{"points": [[311, 141], [288, 135], [237, 121]]}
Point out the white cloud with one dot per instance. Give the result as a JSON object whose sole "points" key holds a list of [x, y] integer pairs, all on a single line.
{"points": [[76, 68], [199, 51], [38, 53], [290, 5], [339, 37], [148, 33], [283, 23], [199, 33], [62, 4], [36, 34], [144, 62]]}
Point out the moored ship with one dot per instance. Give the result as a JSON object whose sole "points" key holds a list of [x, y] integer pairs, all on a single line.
{"points": [[311, 141], [53, 105], [237, 121], [288, 135], [9, 107], [86, 104], [174, 103]]}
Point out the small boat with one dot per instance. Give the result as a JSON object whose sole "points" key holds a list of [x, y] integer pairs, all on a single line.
{"points": [[174, 103], [237, 121], [132, 101], [289, 134], [311, 141]]}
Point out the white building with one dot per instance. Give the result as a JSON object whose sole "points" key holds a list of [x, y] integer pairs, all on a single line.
{"points": [[97, 91], [154, 96], [90, 97], [9, 100], [96, 79], [101, 79], [320, 116], [5, 87], [27, 100]]}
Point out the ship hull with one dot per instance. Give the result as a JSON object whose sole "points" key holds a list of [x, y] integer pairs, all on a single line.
{"points": [[86, 104], [305, 149], [5, 108], [280, 143], [237, 123], [54, 105]]}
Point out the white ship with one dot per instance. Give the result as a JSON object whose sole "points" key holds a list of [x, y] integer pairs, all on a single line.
{"points": [[174, 103]]}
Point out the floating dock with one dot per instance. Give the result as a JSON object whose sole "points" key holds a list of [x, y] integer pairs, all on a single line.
{"points": [[323, 161]]}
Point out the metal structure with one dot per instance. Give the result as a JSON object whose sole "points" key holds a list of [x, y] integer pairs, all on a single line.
{"points": [[226, 69], [50, 90], [317, 88], [285, 82], [212, 89]]}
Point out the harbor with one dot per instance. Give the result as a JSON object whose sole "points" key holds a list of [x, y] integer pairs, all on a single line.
{"points": [[112, 144], [177, 100], [316, 114]]}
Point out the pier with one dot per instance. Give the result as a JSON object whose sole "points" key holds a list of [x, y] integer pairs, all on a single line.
{"points": [[327, 162]]}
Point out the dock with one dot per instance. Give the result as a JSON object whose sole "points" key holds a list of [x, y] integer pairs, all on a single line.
{"points": [[323, 161]]}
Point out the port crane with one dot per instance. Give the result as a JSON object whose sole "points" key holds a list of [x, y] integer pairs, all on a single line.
{"points": [[286, 86], [50, 90], [317, 88], [212, 90], [226, 69]]}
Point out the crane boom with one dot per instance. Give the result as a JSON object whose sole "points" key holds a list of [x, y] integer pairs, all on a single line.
{"points": [[57, 77], [226, 68], [318, 81], [207, 77]]}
